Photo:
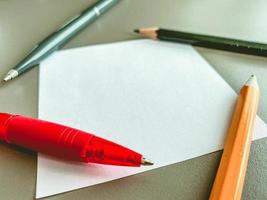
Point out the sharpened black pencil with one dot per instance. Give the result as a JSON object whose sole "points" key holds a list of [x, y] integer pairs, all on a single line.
{"points": [[207, 41]]}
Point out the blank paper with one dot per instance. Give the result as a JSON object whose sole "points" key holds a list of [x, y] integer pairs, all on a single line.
{"points": [[158, 98]]}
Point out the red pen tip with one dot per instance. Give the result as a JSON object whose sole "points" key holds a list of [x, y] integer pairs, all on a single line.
{"points": [[146, 162]]}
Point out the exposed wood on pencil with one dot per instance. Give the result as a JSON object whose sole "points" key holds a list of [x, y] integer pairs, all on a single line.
{"points": [[148, 32]]}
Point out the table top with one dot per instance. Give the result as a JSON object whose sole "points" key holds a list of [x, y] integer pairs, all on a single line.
{"points": [[24, 23]]}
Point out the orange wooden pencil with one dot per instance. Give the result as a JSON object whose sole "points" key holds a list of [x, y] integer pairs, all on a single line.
{"points": [[229, 181]]}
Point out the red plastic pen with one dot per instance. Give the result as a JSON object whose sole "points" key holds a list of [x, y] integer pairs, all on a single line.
{"points": [[65, 142]]}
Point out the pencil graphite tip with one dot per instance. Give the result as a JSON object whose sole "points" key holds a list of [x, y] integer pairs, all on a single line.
{"points": [[136, 30], [146, 162], [252, 81]]}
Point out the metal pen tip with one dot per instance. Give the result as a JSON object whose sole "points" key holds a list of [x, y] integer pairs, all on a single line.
{"points": [[7, 78], [10, 75], [146, 162]]}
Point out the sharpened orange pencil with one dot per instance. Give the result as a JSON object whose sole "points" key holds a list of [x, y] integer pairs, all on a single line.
{"points": [[229, 181]]}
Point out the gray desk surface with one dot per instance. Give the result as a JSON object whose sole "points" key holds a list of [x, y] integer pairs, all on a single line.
{"points": [[24, 23]]}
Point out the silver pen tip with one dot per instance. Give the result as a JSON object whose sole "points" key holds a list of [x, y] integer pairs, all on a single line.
{"points": [[10, 75], [146, 162], [7, 77]]}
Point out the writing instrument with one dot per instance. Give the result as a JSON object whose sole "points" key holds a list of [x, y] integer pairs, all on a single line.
{"points": [[65, 142], [230, 176], [207, 41], [59, 38]]}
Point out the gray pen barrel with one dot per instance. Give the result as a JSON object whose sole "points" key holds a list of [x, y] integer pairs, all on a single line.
{"points": [[60, 37]]}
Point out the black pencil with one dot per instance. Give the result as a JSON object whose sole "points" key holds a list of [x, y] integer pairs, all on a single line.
{"points": [[207, 41]]}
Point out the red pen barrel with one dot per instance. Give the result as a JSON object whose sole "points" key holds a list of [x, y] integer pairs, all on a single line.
{"points": [[45, 137], [65, 142]]}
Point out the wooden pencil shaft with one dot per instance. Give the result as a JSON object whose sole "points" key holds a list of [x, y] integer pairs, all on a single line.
{"points": [[230, 177], [221, 43]]}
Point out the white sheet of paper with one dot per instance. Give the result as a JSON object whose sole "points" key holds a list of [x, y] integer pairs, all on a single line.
{"points": [[161, 99]]}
